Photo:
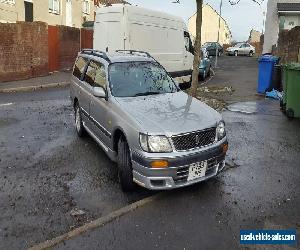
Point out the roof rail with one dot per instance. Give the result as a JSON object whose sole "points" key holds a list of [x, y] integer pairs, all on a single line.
{"points": [[96, 53], [135, 52]]}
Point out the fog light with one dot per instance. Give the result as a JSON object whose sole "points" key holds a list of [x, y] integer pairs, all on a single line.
{"points": [[159, 164], [158, 183], [225, 148]]}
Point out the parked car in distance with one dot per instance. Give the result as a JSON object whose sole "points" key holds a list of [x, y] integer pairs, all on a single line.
{"points": [[160, 137], [213, 47], [241, 49], [204, 66]]}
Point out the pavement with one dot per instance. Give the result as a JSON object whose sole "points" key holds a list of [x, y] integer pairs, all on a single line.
{"points": [[53, 183], [240, 78], [56, 79]]}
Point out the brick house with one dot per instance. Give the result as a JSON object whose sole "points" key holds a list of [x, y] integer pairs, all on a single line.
{"points": [[54, 12], [100, 3]]}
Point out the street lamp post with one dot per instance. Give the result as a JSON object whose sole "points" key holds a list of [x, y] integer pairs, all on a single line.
{"points": [[217, 48]]}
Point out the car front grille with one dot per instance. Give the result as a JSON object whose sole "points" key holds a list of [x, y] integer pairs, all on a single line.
{"points": [[193, 140], [183, 172]]}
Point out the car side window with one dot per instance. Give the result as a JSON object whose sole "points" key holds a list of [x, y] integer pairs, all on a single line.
{"points": [[95, 75], [90, 73], [79, 67], [100, 77]]}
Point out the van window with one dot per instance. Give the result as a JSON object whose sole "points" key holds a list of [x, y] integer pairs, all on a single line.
{"points": [[79, 67], [95, 75], [188, 43]]}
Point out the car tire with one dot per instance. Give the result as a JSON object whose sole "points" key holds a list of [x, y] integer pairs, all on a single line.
{"points": [[125, 172], [202, 77], [236, 53], [290, 114], [209, 72], [78, 121], [251, 53]]}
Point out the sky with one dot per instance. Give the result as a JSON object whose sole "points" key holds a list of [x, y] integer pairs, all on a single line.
{"points": [[241, 18]]}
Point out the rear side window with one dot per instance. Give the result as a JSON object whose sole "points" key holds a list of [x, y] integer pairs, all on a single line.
{"points": [[95, 75], [79, 67]]}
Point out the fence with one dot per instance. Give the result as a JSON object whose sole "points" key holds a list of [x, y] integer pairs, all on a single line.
{"points": [[35, 49], [288, 47]]}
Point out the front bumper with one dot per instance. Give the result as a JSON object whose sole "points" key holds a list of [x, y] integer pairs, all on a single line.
{"points": [[176, 174]]}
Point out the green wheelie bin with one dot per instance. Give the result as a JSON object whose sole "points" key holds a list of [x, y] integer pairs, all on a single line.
{"points": [[293, 90], [285, 81]]}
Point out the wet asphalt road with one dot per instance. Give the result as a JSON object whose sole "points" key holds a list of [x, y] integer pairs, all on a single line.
{"points": [[260, 192], [46, 171]]}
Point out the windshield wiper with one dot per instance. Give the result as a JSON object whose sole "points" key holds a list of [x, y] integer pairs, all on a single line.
{"points": [[147, 93]]}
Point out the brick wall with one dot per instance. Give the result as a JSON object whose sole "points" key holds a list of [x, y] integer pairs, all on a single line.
{"points": [[288, 47], [86, 37], [23, 50], [257, 47], [69, 46], [27, 48]]}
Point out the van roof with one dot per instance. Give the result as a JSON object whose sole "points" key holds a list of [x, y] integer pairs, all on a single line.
{"points": [[136, 9]]}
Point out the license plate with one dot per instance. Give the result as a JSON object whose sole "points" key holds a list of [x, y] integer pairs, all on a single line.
{"points": [[197, 170]]}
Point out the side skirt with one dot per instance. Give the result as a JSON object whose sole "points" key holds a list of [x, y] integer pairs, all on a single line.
{"points": [[111, 154]]}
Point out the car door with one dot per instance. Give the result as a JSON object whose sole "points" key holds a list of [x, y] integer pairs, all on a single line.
{"points": [[100, 106], [247, 49], [81, 89]]}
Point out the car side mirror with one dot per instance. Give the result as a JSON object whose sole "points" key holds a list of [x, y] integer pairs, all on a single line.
{"points": [[99, 92]]}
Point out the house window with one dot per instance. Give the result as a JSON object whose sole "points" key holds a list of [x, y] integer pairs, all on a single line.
{"points": [[292, 23], [86, 7], [54, 6], [11, 2], [281, 22]]}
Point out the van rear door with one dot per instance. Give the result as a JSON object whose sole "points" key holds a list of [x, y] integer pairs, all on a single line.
{"points": [[108, 31], [159, 34]]}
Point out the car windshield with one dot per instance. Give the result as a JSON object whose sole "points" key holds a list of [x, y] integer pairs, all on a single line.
{"points": [[139, 79], [207, 44], [238, 45]]}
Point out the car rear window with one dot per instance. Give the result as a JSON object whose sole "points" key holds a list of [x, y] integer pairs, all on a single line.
{"points": [[79, 67]]}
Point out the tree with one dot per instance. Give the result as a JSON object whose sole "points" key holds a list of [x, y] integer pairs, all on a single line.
{"points": [[197, 50], [197, 55]]}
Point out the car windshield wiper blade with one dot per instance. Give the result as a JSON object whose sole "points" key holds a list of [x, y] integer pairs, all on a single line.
{"points": [[147, 93]]}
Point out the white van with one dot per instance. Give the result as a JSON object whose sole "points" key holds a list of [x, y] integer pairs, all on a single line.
{"points": [[163, 36]]}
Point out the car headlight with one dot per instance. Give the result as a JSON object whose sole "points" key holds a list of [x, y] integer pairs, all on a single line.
{"points": [[221, 132], [155, 143]]}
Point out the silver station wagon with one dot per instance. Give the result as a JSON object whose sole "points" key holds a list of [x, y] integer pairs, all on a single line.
{"points": [[160, 137]]}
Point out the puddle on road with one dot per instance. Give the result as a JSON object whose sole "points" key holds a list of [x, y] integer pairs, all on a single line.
{"points": [[244, 107]]}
